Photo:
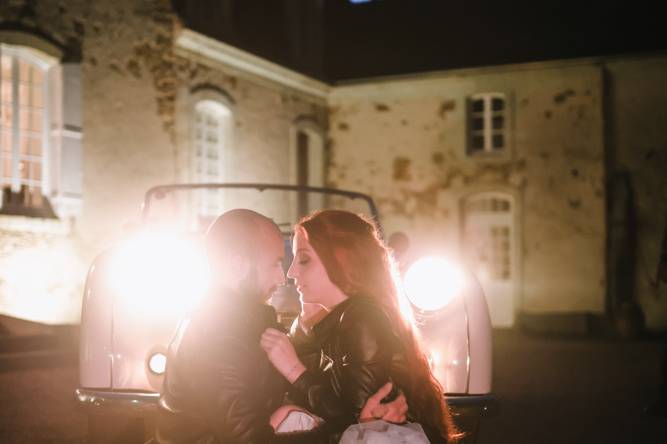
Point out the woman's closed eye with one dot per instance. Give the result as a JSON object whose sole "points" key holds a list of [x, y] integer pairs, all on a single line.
{"points": [[303, 260]]}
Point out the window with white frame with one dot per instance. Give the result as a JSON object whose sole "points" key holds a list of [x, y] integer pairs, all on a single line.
{"points": [[212, 128], [25, 122], [487, 123]]}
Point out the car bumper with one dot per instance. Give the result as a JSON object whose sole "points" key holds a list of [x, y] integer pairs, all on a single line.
{"points": [[483, 405], [120, 402]]}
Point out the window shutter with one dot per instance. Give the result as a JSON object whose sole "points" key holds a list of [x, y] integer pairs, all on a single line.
{"points": [[68, 132]]}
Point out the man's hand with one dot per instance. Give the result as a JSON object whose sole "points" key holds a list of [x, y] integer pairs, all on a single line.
{"points": [[393, 411], [281, 413], [281, 353]]}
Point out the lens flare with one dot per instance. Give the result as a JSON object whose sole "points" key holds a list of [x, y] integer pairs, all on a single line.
{"points": [[157, 363], [159, 274], [430, 283]]}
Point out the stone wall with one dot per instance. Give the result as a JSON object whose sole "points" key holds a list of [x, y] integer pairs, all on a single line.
{"points": [[403, 141], [637, 142], [137, 107]]}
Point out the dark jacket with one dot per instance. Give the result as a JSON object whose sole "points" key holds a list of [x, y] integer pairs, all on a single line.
{"points": [[219, 386], [349, 355]]}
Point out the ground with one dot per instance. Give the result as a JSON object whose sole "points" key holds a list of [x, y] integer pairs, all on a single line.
{"points": [[550, 391]]}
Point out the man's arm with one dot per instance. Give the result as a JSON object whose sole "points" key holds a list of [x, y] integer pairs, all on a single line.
{"points": [[236, 407]]}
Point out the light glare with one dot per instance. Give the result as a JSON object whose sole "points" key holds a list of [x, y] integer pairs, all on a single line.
{"points": [[431, 282], [159, 274], [158, 363]]}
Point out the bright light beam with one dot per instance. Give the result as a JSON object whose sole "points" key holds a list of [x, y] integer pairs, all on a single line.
{"points": [[159, 274], [431, 282]]}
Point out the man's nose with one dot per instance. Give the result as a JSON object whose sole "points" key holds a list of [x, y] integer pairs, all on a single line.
{"points": [[290, 271], [280, 277]]}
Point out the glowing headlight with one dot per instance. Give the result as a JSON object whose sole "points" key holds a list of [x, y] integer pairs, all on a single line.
{"points": [[159, 274], [157, 363], [430, 283]]}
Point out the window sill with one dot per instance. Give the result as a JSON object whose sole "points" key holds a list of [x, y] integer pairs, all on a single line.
{"points": [[33, 224], [493, 157]]}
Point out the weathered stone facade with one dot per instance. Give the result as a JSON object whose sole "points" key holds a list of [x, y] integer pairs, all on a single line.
{"points": [[571, 125], [137, 109]]}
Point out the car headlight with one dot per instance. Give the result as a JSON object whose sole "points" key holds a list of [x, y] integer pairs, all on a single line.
{"points": [[159, 274], [432, 282], [157, 363]]}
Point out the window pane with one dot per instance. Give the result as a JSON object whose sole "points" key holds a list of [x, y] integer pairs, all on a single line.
{"points": [[24, 71], [6, 117], [498, 141], [23, 169], [6, 62], [6, 96], [6, 141], [24, 94], [35, 146], [478, 105], [477, 123], [497, 104], [36, 121], [477, 143], [498, 122], [24, 120], [37, 76], [36, 171], [37, 96], [7, 167], [24, 142]]}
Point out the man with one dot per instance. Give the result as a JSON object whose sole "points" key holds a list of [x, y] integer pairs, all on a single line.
{"points": [[219, 385]]}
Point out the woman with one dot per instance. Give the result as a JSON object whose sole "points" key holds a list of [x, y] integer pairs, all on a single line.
{"points": [[341, 264]]}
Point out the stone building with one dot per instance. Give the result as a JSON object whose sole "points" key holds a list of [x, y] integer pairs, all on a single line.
{"points": [[549, 178]]}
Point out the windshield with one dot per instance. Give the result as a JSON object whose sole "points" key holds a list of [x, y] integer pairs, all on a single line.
{"points": [[193, 207]]}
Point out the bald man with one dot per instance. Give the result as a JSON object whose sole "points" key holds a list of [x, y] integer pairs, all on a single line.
{"points": [[219, 386]]}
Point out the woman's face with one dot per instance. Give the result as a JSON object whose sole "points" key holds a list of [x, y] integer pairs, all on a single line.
{"points": [[310, 277]]}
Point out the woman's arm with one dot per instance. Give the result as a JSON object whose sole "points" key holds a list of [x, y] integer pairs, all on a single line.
{"points": [[366, 346]]}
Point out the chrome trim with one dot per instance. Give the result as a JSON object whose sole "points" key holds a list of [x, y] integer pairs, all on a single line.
{"points": [[127, 402]]}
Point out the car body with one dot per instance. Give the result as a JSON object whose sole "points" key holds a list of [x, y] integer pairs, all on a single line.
{"points": [[137, 293]]}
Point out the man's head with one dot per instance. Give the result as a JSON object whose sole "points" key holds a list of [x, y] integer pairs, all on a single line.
{"points": [[245, 251]]}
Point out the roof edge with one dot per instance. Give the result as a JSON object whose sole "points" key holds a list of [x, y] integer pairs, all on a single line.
{"points": [[190, 41]]}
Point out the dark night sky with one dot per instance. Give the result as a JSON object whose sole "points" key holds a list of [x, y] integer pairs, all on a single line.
{"points": [[389, 37]]}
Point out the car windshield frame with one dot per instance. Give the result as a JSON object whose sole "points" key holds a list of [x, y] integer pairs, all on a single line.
{"points": [[160, 191]]}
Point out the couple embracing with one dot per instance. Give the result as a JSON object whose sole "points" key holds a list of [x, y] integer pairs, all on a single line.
{"points": [[234, 376]]}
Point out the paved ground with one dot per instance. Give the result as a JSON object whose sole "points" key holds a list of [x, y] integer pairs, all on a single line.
{"points": [[573, 391], [551, 391]]}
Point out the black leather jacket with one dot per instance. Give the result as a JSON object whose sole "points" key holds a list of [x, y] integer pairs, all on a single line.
{"points": [[219, 385], [349, 355]]}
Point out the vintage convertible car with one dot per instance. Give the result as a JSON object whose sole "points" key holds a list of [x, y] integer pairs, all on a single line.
{"points": [[137, 293]]}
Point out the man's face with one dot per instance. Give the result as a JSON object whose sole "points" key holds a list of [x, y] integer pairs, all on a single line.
{"points": [[267, 272]]}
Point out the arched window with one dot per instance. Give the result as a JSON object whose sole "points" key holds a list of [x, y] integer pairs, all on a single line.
{"points": [[40, 129], [489, 243], [487, 123], [25, 122], [212, 127]]}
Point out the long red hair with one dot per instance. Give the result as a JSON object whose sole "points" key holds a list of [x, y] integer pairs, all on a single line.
{"points": [[358, 262]]}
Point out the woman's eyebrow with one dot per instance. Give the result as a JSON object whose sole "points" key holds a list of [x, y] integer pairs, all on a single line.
{"points": [[302, 249]]}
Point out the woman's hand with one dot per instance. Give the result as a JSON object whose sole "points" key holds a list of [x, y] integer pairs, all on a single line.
{"points": [[394, 411], [282, 355]]}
